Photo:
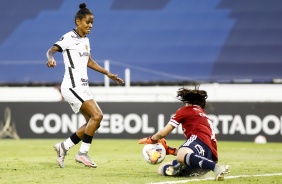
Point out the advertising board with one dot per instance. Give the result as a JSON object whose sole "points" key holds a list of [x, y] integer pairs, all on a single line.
{"points": [[134, 120]]}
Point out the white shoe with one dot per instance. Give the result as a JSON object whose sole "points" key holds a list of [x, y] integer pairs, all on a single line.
{"points": [[220, 170], [85, 159], [61, 153]]}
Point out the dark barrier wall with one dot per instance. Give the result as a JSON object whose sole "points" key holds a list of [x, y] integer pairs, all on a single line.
{"points": [[159, 40], [232, 121]]}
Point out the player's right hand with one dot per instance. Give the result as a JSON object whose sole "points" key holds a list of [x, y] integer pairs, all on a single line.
{"points": [[51, 63], [115, 78], [147, 140]]}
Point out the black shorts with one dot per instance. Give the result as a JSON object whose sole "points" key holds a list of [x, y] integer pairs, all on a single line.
{"points": [[198, 147]]}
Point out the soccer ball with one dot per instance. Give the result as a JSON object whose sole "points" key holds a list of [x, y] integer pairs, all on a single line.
{"points": [[154, 153]]}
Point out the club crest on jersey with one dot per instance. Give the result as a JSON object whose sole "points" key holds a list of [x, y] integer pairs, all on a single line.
{"points": [[86, 47]]}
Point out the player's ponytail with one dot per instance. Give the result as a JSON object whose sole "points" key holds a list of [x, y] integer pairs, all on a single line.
{"points": [[82, 12], [82, 5]]}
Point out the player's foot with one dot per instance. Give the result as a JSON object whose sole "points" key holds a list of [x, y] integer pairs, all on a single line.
{"points": [[85, 159], [173, 170], [219, 171], [61, 153]]}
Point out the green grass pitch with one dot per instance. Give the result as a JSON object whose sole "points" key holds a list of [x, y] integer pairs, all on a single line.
{"points": [[121, 162]]}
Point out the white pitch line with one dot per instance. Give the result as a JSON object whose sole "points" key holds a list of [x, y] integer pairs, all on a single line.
{"points": [[225, 177]]}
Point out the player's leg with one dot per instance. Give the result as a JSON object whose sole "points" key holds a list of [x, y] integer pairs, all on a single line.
{"points": [[62, 148], [93, 114], [177, 167], [74, 139], [196, 156]]}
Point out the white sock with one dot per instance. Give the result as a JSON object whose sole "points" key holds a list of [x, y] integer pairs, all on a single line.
{"points": [[84, 148], [68, 144]]}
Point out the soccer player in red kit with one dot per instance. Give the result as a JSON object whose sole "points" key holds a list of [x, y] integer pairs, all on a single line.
{"points": [[198, 154]]}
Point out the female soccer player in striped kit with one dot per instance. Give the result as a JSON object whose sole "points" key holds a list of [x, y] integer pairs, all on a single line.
{"points": [[75, 48], [198, 154]]}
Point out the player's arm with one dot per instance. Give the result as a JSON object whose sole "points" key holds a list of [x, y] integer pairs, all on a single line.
{"points": [[163, 132], [50, 56], [159, 138], [95, 66]]}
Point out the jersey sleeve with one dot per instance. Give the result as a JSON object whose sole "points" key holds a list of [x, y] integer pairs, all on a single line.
{"points": [[63, 43], [176, 119]]}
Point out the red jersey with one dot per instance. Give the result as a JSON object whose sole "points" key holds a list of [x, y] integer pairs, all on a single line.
{"points": [[195, 121]]}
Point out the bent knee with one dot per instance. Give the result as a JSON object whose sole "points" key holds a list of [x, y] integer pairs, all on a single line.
{"points": [[182, 152], [97, 117]]}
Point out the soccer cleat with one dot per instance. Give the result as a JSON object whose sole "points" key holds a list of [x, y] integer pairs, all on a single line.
{"points": [[173, 170], [85, 159], [219, 171], [61, 153]]}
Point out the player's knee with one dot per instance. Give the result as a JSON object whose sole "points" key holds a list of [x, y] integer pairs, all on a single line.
{"points": [[182, 154], [97, 117]]}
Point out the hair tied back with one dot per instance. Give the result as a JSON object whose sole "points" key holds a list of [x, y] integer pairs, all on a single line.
{"points": [[82, 5]]}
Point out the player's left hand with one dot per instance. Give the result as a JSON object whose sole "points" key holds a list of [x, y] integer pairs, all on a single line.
{"points": [[115, 78], [169, 150], [147, 140]]}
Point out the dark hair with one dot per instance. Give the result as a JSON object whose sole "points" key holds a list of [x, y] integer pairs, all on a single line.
{"points": [[194, 97], [80, 14]]}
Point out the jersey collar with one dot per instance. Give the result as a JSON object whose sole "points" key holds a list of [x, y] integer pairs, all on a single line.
{"points": [[78, 34]]}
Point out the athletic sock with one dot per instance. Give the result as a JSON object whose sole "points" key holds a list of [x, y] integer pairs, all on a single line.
{"points": [[71, 141], [198, 161], [86, 143]]}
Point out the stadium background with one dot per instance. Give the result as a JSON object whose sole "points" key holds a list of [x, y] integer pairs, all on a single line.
{"points": [[219, 42]]}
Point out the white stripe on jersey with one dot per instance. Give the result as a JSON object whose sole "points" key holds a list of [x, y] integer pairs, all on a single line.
{"points": [[190, 140], [173, 123]]}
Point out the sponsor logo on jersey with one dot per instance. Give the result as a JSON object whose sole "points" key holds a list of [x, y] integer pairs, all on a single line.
{"points": [[84, 82], [81, 54]]}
